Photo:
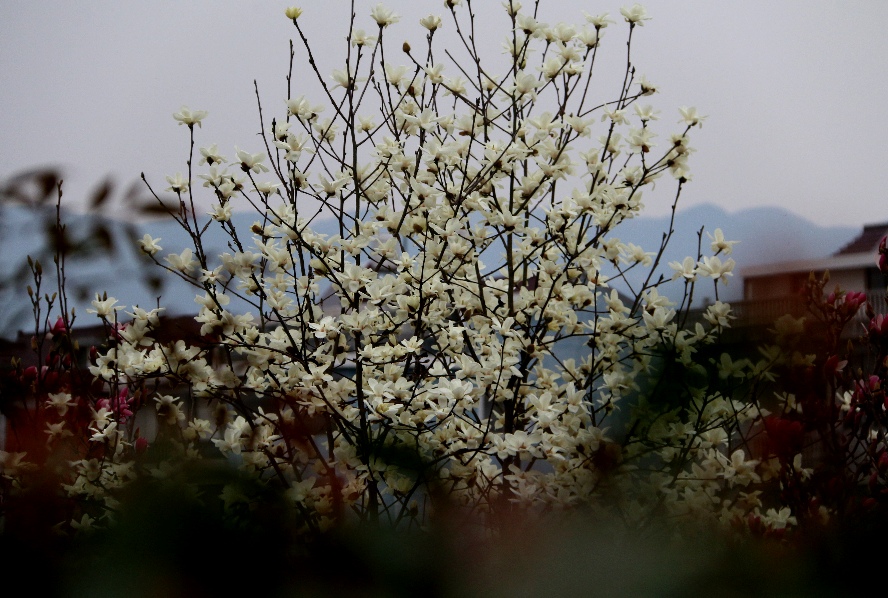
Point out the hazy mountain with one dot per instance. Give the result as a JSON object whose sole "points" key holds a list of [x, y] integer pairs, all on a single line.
{"points": [[104, 254], [766, 235]]}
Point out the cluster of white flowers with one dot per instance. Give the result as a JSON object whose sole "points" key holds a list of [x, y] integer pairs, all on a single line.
{"points": [[467, 332]]}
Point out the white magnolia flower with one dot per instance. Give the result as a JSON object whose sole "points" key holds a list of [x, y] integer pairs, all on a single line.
{"points": [[345, 79], [512, 7], [588, 37], [211, 155], [366, 123], [60, 402], [647, 88], [384, 16], [104, 307], [779, 519], [189, 117], [690, 116], [635, 14], [178, 184], [714, 268], [525, 84], [323, 328], [395, 74], [250, 161], [646, 113], [598, 21], [183, 262], [431, 22], [359, 38], [718, 314], [221, 212], [266, 187], [149, 244], [686, 269], [300, 108], [719, 244]]}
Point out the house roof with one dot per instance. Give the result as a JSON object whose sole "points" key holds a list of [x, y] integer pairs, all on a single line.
{"points": [[849, 261], [860, 252], [867, 241]]}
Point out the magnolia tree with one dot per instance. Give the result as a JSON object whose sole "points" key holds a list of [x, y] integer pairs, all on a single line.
{"points": [[470, 336]]}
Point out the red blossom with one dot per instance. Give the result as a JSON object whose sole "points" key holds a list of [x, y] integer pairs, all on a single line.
{"points": [[785, 436], [834, 365], [854, 299], [878, 327], [883, 255], [59, 327]]}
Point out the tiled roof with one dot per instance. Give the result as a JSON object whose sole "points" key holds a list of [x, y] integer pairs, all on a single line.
{"points": [[866, 241]]}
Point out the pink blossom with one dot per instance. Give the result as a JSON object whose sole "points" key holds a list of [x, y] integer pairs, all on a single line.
{"points": [[883, 255]]}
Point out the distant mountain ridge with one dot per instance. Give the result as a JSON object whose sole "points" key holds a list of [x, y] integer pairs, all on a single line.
{"points": [[766, 235], [112, 261]]}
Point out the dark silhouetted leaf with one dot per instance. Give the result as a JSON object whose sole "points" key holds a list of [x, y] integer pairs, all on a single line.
{"points": [[101, 194], [32, 187]]}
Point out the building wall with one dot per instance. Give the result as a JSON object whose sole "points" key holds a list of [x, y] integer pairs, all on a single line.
{"points": [[775, 286], [779, 286], [848, 280]]}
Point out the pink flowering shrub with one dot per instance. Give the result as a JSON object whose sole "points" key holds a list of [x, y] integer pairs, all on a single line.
{"points": [[838, 411]]}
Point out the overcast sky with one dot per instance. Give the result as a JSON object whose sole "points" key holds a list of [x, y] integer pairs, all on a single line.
{"points": [[795, 91]]}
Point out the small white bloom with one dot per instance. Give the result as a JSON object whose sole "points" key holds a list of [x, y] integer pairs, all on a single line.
{"points": [[431, 22], [360, 38], [384, 16], [512, 7], [84, 525], [647, 88], [686, 269], [266, 187], [395, 74], [221, 213], [588, 37], [525, 84], [646, 113], [323, 328], [690, 117], [211, 155], [184, 262], [718, 314], [779, 519], [60, 401], [366, 123], [598, 21], [185, 116], [434, 73], [251, 161], [714, 268], [149, 244], [719, 244], [635, 15], [178, 184], [104, 307], [345, 79]]}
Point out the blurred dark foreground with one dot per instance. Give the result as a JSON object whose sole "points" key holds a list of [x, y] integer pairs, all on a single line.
{"points": [[169, 541]]}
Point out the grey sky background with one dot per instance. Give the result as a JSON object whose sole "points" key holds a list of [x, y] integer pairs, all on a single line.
{"points": [[794, 90]]}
